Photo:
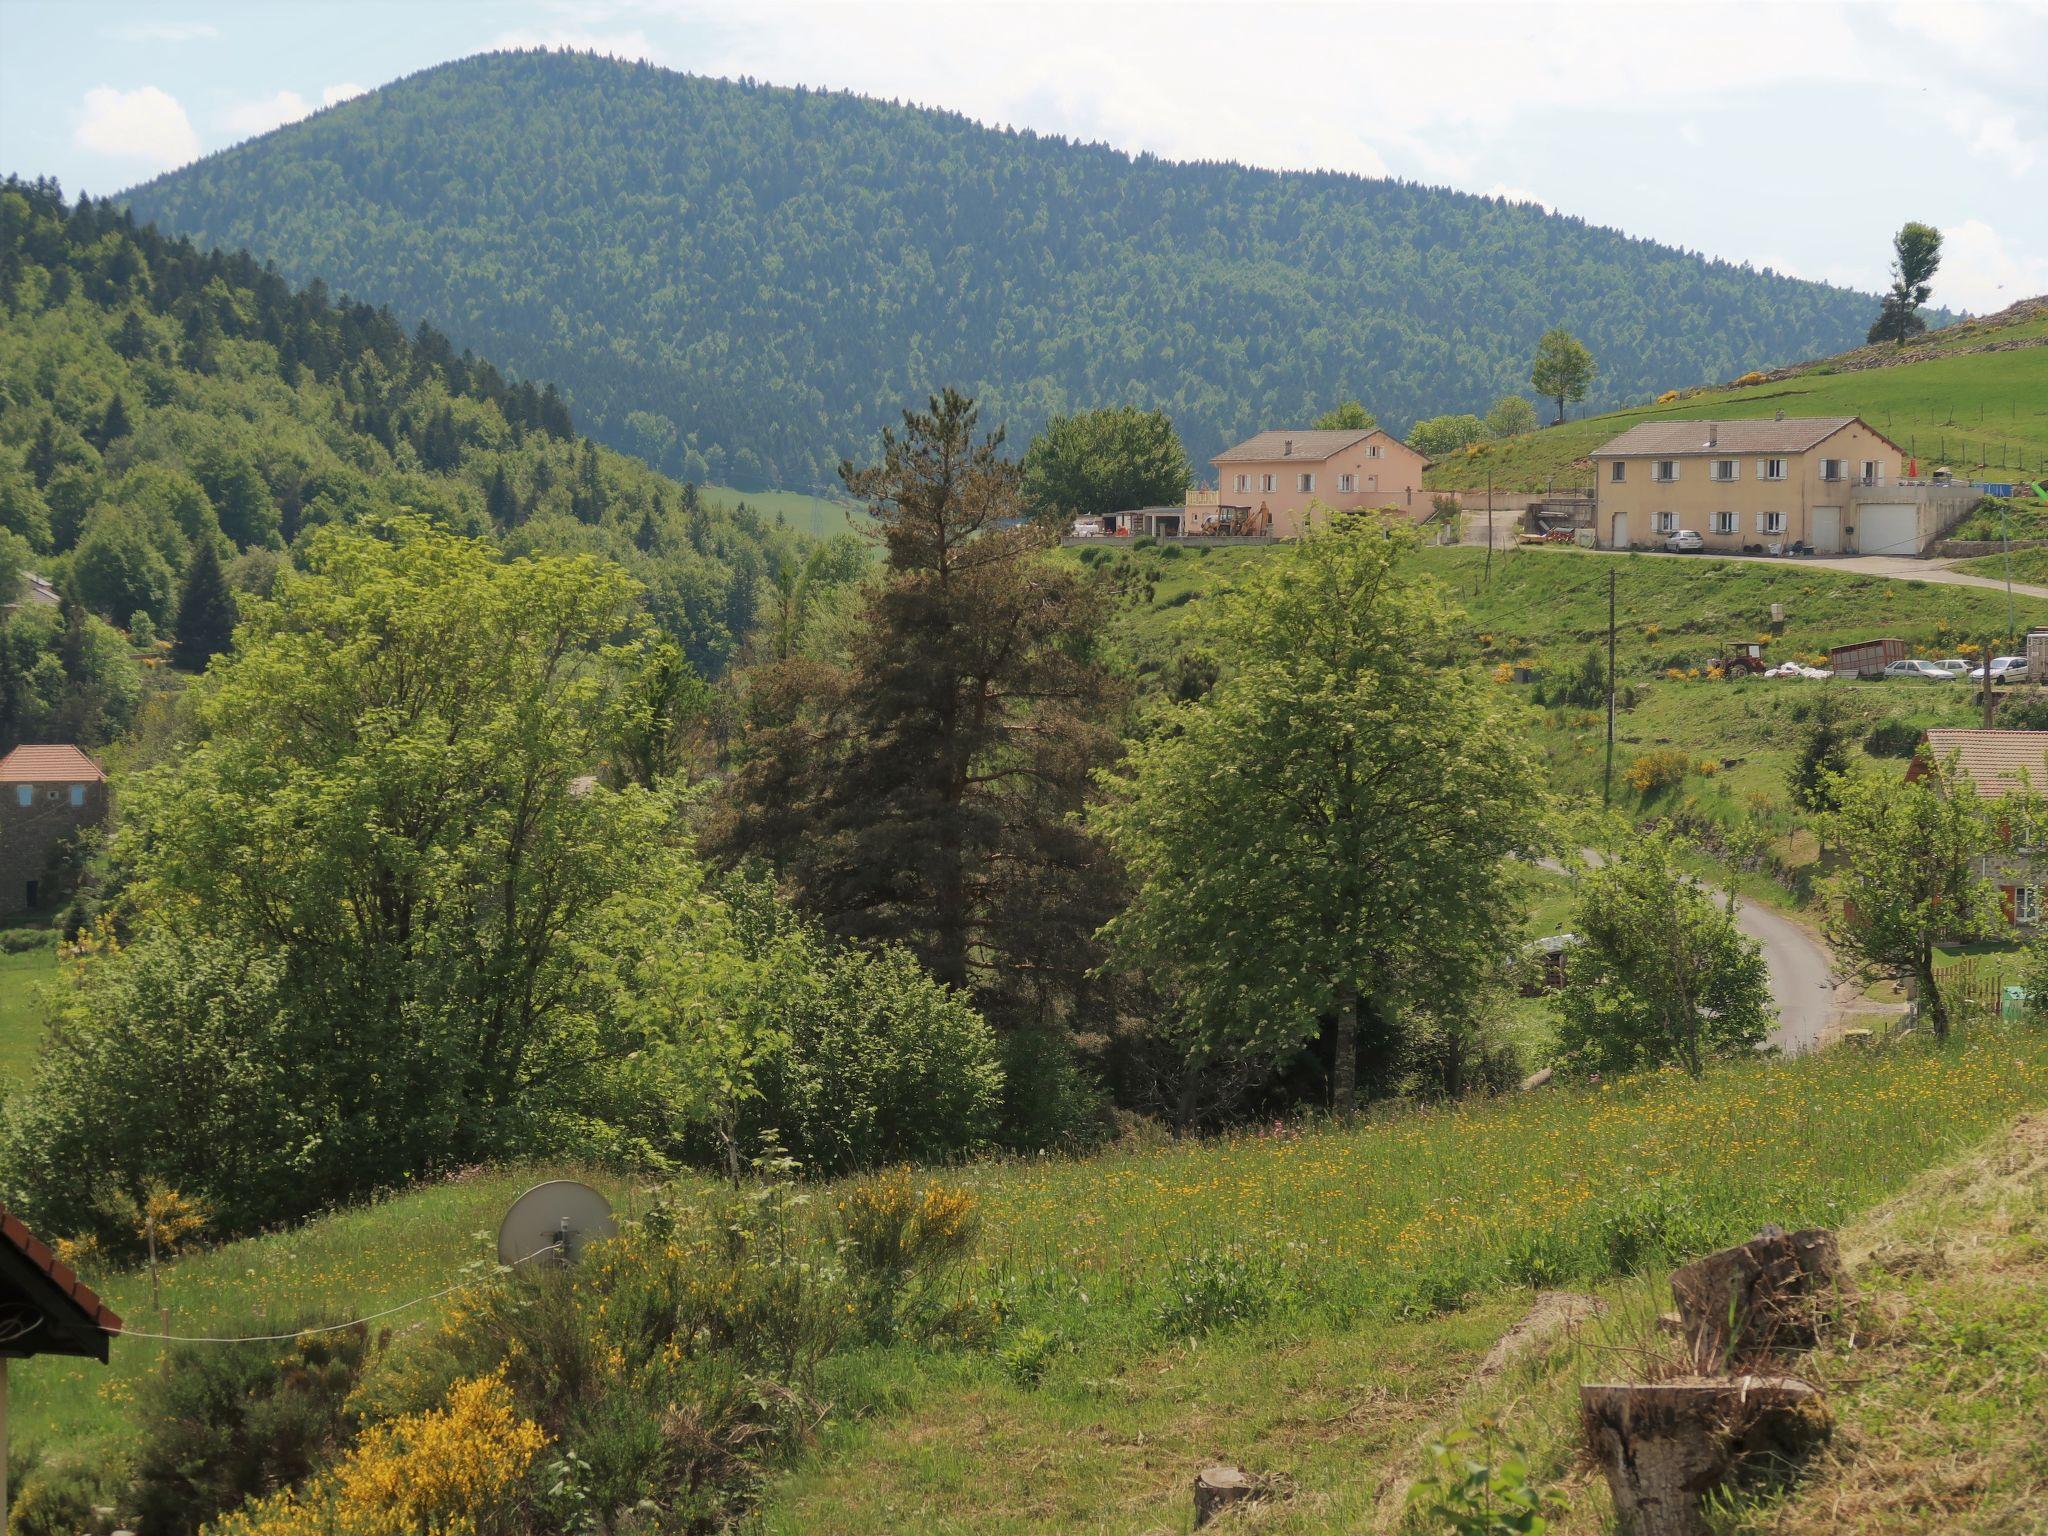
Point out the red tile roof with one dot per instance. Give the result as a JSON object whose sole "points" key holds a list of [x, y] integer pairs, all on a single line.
{"points": [[96, 1313], [48, 765], [1992, 760]]}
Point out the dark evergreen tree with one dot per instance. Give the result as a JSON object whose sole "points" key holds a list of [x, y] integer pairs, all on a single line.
{"points": [[114, 424], [1823, 758], [501, 505], [205, 625]]}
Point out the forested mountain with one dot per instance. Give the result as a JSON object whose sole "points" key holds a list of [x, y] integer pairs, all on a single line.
{"points": [[743, 283], [159, 401]]}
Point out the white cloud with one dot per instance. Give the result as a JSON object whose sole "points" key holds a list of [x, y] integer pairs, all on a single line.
{"points": [[1992, 135], [340, 93], [1980, 272], [162, 32], [146, 125], [246, 119]]}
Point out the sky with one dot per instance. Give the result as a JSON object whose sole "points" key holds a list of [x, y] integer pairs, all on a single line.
{"points": [[1797, 136]]}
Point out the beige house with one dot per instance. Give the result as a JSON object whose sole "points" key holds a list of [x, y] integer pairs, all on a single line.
{"points": [[1814, 484], [1272, 480]]}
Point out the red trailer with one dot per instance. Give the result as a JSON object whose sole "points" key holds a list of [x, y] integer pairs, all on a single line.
{"points": [[1866, 658]]}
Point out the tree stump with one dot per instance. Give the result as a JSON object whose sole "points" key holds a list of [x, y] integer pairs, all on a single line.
{"points": [[1216, 1489], [1771, 1294], [1663, 1447]]}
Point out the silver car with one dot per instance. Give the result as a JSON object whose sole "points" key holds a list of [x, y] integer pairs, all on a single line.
{"points": [[2004, 669], [1926, 671], [1685, 542]]}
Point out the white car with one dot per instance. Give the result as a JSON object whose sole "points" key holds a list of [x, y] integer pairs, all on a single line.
{"points": [[1685, 542], [2004, 669], [1085, 528], [1954, 665], [1927, 671]]}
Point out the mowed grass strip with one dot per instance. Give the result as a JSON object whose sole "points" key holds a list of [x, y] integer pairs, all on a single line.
{"points": [[23, 1009]]}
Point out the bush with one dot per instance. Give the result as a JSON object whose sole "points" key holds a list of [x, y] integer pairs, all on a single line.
{"points": [[1657, 771], [1477, 1486], [60, 1499], [19, 941], [896, 1236], [225, 1423], [2020, 710], [1901, 738], [1218, 1288], [1026, 1355]]}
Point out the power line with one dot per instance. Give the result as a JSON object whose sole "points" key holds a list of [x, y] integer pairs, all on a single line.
{"points": [[300, 1333]]}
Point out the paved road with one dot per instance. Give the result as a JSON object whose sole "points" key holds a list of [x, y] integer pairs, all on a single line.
{"points": [[1800, 965], [1893, 567]]}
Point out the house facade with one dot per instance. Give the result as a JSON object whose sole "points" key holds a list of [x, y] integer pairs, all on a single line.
{"points": [[1271, 481], [1997, 764], [1786, 485], [48, 794]]}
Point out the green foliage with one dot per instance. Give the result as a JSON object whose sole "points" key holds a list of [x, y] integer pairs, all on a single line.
{"points": [[1823, 757], [280, 411], [1108, 460], [225, 1423], [1510, 416], [1438, 437], [859, 249], [1216, 1288], [1324, 832], [2021, 709], [1661, 974], [207, 612], [1910, 876], [1479, 1486], [1901, 738], [65, 675], [1916, 253], [1563, 368], [1351, 416]]}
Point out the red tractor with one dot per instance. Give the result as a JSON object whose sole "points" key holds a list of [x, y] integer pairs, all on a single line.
{"points": [[1743, 658]]}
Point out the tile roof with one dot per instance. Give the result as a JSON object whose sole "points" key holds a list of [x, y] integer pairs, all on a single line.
{"points": [[79, 1296], [1993, 760], [1677, 439], [1309, 446], [47, 765]]}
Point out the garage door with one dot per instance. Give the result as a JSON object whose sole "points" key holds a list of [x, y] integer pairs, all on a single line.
{"points": [[1826, 523], [1888, 530]]}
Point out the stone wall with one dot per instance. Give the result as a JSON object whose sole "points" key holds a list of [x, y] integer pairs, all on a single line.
{"points": [[31, 834]]}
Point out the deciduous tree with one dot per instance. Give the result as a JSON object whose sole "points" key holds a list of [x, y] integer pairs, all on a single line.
{"points": [[1510, 416], [1351, 416], [1563, 368], [1310, 840], [1916, 254], [1109, 460]]}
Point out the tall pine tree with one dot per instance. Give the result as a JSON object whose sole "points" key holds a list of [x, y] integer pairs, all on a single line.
{"points": [[206, 612]]}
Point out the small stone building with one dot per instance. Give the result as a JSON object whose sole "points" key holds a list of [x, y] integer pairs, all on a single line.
{"points": [[48, 794]]}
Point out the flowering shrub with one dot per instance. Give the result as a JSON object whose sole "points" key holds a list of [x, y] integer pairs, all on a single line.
{"points": [[1656, 771]]}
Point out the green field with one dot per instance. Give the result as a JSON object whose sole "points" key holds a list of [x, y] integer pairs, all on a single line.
{"points": [[22, 977], [818, 516], [1341, 1280], [1983, 413]]}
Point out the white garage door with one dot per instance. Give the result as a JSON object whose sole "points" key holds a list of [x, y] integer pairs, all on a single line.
{"points": [[1827, 529], [1888, 530]]}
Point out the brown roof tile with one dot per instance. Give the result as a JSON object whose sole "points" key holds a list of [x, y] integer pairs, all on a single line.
{"points": [[1309, 446], [1679, 439], [48, 765], [96, 1313], [1993, 760]]}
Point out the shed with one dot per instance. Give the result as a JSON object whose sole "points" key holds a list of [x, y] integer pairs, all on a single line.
{"points": [[45, 1309]]}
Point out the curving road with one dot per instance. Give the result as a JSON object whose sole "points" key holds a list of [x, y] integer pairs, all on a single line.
{"points": [[1800, 964]]}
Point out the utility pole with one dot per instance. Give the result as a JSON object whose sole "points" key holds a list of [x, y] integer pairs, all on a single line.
{"points": [[1607, 779], [1489, 527]]}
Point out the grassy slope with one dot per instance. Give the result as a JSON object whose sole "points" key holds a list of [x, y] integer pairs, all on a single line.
{"points": [[816, 516], [1970, 411], [21, 1008]]}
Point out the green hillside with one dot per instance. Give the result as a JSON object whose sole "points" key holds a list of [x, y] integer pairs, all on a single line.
{"points": [[1973, 396], [156, 396], [744, 283]]}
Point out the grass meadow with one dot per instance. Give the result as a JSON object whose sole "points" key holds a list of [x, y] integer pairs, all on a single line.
{"points": [[1242, 1298], [1984, 414], [22, 1017]]}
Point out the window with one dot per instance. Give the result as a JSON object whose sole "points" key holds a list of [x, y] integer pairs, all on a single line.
{"points": [[1304, 482], [1870, 471], [1372, 450], [1266, 482], [1618, 471], [1665, 472], [24, 794], [1831, 469], [1722, 469], [1244, 482], [1347, 482], [1770, 522], [2026, 904], [1667, 522], [1770, 469], [1724, 522], [78, 794]]}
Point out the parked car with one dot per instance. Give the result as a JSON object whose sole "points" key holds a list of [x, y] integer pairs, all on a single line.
{"points": [[1685, 542], [2004, 669], [1085, 528], [1954, 665], [1927, 671]]}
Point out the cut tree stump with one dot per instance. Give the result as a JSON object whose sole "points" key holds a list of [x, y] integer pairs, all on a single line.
{"points": [[1216, 1489], [1771, 1294], [1664, 1446]]}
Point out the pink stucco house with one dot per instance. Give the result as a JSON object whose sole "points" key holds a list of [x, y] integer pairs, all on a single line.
{"points": [[1277, 476]]}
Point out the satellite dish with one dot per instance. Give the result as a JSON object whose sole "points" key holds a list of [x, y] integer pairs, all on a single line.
{"points": [[554, 1221]]}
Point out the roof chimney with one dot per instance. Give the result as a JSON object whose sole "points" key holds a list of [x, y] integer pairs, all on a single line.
{"points": [[1713, 435], [1287, 449]]}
